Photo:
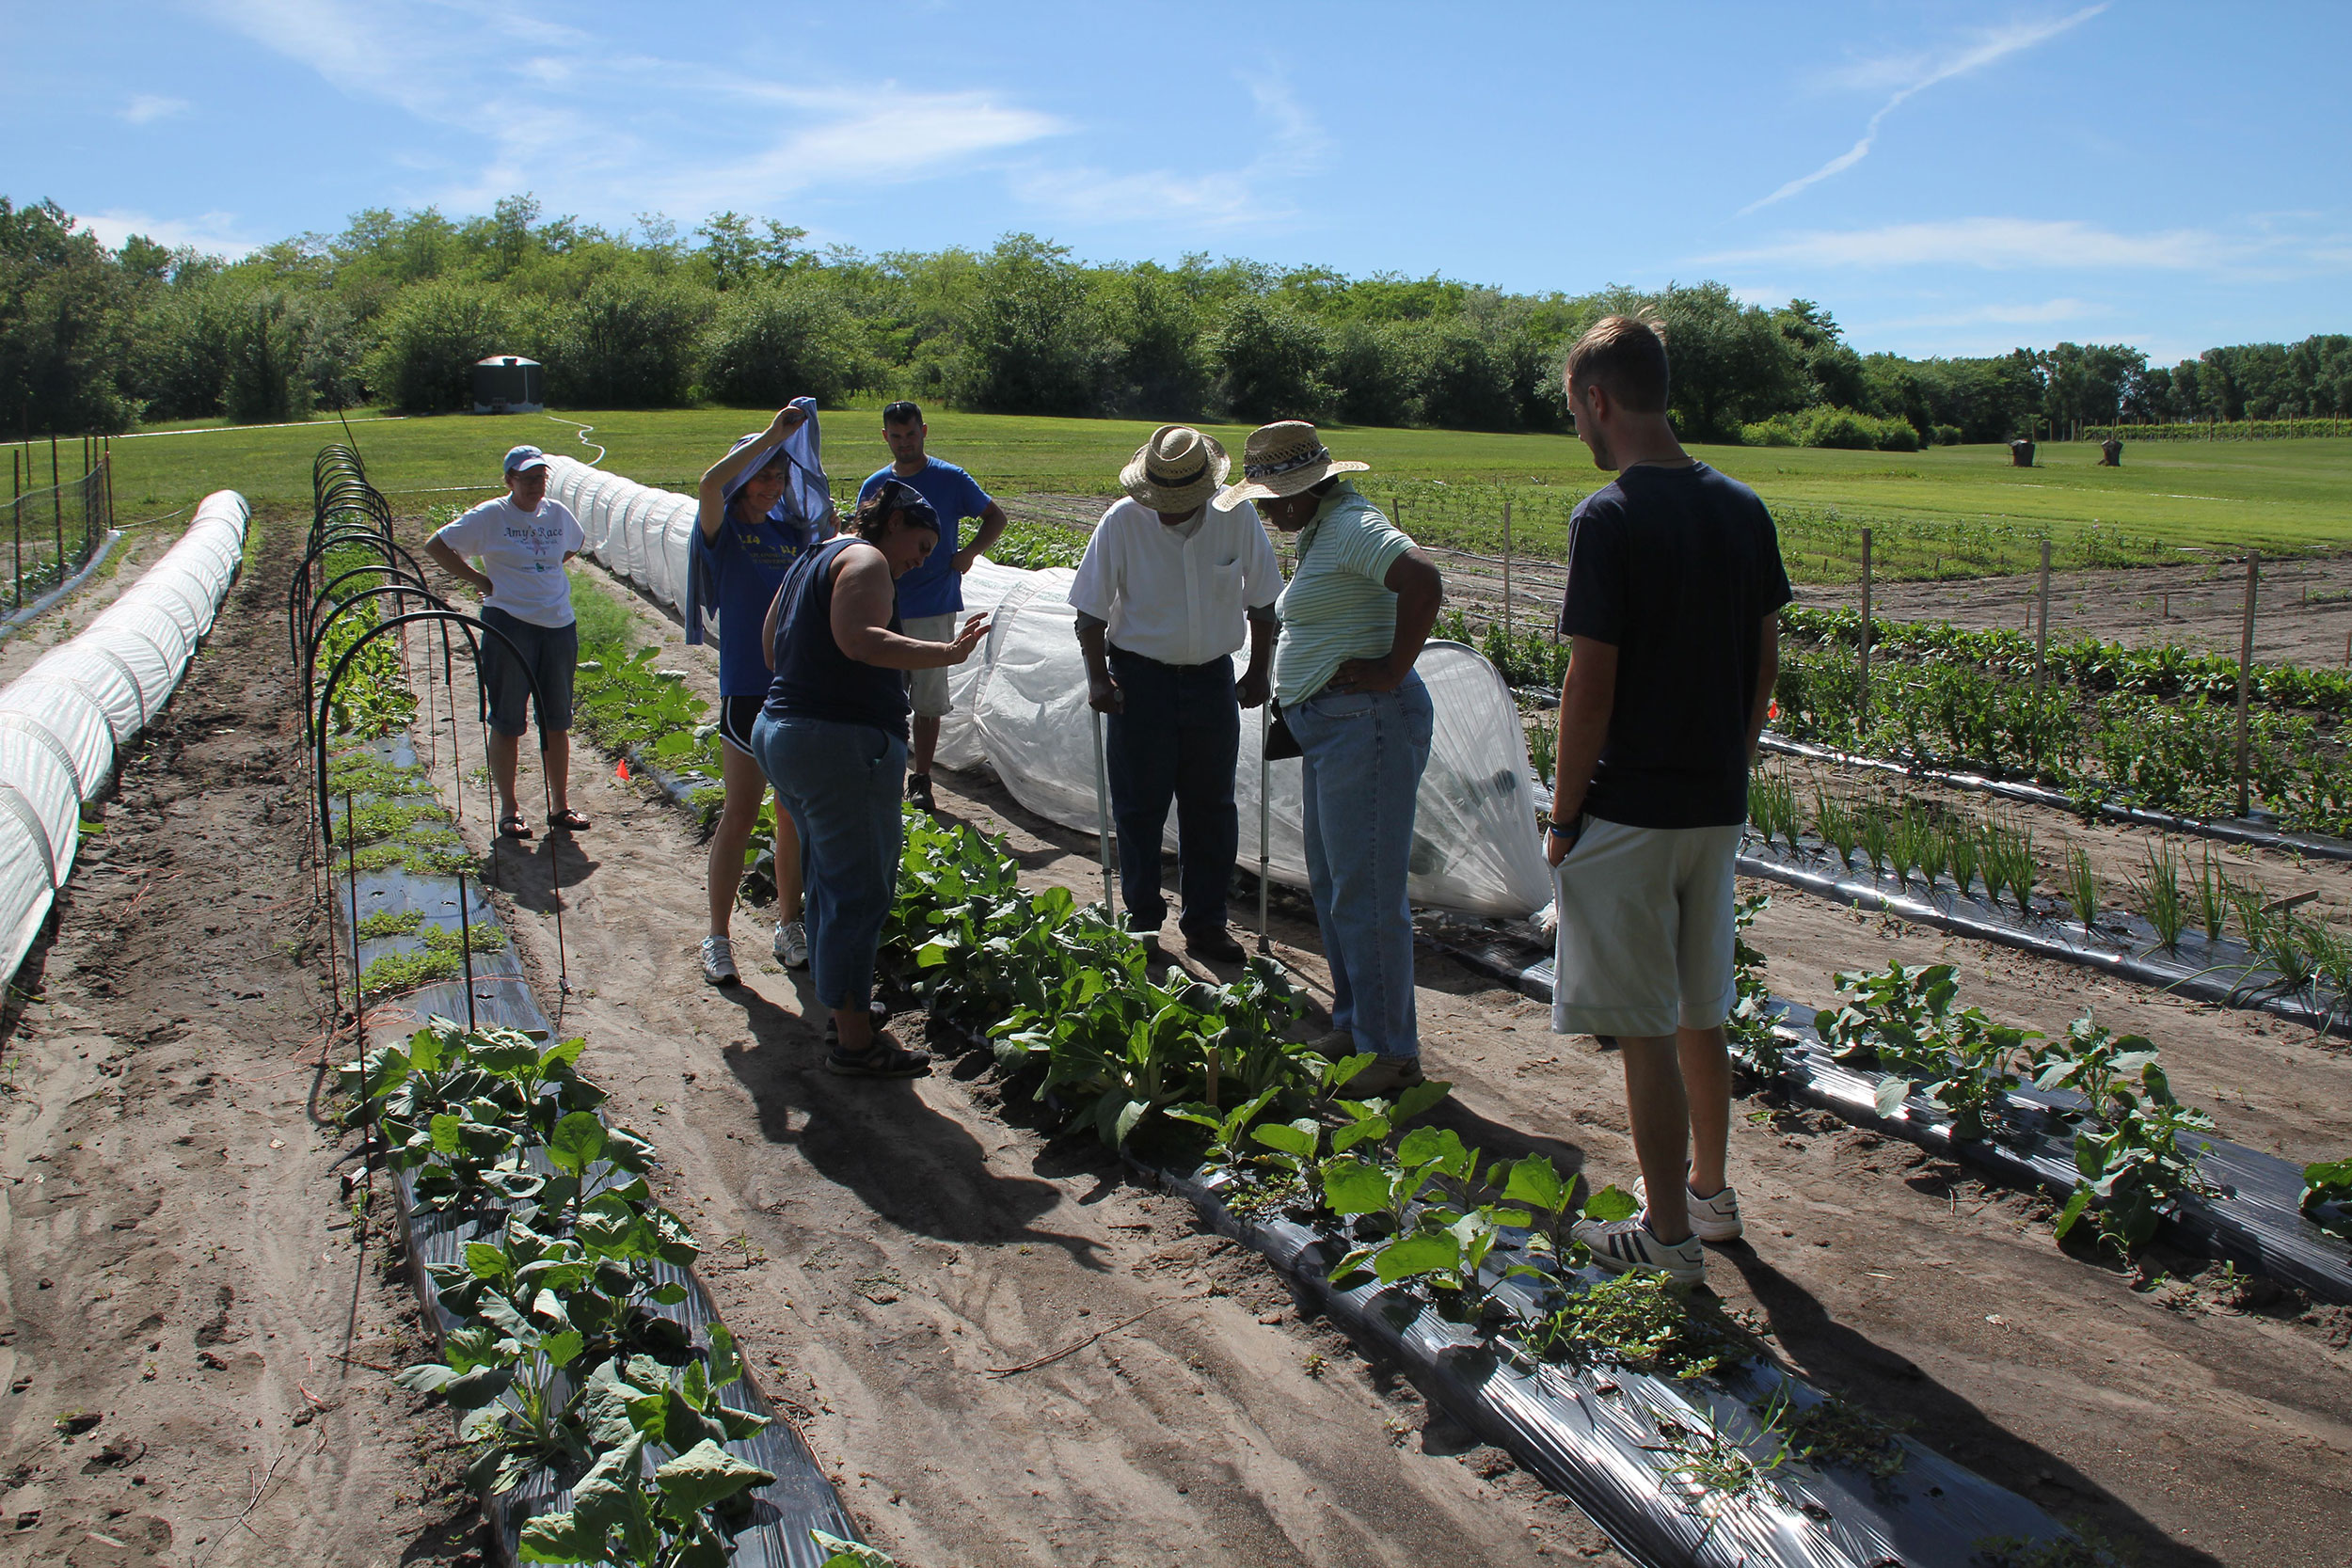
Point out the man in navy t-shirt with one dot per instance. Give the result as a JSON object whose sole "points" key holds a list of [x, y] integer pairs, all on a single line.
{"points": [[929, 595], [1675, 591]]}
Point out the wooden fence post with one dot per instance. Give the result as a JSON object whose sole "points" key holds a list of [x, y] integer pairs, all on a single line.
{"points": [[2042, 632], [1863, 722], [2245, 677], [1507, 569]]}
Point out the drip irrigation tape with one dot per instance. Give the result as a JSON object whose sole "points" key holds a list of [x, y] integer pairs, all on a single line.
{"points": [[2253, 1218], [782, 1512], [2226, 974], [2228, 830]]}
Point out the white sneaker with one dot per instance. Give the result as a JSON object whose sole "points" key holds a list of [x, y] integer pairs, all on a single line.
{"points": [[791, 946], [719, 961], [1712, 1219], [1619, 1245]]}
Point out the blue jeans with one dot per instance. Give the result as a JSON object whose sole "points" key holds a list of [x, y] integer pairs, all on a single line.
{"points": [[1363, 762], [1179, 739], [840, 782]]}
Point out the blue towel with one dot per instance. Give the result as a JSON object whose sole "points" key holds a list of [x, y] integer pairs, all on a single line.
{"points": [[806, 504]]}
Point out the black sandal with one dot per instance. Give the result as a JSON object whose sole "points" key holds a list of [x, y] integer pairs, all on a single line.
{"points": [[883, 1058], [513, 825], [570, 820], [874, 1010]]}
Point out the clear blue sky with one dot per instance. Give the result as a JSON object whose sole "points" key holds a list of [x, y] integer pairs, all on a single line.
{"points": [[1945, 179]]}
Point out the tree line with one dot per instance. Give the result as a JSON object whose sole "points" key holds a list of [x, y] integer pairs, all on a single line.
{"points": [[395, 308]]}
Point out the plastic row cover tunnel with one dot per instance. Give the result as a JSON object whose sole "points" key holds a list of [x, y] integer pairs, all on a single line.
{"points": [[1019, 705], [641, 535], [64, 720]]}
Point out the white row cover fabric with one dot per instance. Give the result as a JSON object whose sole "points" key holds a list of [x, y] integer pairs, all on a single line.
{"points": [[639, 534], [63, 721], [1019, 705]]}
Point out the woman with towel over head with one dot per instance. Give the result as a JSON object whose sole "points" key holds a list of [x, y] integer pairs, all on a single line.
{"points": [[763, 506]]}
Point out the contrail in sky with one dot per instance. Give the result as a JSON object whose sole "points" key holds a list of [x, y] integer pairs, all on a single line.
{"points": [[2008, 41]]}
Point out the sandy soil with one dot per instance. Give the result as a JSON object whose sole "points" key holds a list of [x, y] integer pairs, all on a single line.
{"points": [[882, 1249], [196, 1323], [2302, 614], [889, 1284]]}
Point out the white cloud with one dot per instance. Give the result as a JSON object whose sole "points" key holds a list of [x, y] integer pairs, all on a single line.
{"points": [[213, 233], [1997, 243], [1911, 77], [1265, 190], [1999, 314], [147, 107], [610, 131]]}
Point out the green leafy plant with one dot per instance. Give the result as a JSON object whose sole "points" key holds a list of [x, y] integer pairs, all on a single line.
{"points": [[1639, 1319], [1878, 839], [2156, 894], [1963, 848], [2326, 1200], [1833, 820], [2082, 886], [2127, 1148]]}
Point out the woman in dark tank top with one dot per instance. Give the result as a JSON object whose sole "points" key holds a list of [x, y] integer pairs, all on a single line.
{"points": [[833, 738]]}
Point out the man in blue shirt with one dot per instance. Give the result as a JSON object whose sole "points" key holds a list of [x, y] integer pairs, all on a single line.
{"points": [[930, 595]]}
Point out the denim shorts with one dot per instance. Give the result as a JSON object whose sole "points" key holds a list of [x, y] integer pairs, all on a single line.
{"points": [[548, 655]]}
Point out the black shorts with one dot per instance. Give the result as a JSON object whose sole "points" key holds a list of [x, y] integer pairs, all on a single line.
{"points": [[736, 715], [549, 654]]}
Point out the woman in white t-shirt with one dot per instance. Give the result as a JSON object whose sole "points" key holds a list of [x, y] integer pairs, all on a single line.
{"points": [[523, 541]]}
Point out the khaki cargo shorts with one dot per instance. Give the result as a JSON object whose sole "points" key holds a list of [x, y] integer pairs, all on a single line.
{"points": [[1645, 943]]}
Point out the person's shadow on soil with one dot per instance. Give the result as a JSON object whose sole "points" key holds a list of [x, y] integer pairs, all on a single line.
{"points": [[532, 873], [1839, 1359], [913, 1167]]}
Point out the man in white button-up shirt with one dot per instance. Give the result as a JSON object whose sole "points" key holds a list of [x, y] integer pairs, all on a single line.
{"points": [[1171, 586]]}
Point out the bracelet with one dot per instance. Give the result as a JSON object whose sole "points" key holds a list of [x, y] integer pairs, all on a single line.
{"points": [[1569, 831]]}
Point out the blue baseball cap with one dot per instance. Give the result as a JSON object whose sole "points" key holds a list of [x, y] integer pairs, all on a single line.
{"points": [[520, 459]]}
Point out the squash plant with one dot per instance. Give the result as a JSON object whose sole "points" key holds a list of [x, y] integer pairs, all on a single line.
{"points": [[570, 1277]]}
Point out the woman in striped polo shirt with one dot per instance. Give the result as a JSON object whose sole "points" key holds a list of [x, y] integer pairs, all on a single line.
{"points": [[1358, 607]]}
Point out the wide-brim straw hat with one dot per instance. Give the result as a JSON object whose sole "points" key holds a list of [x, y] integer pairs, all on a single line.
{"points": [[1178, 469], [1283, 459]]}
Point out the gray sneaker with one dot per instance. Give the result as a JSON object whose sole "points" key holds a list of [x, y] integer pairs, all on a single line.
{"points": [[1623, 1246], [719, 961], [791, 946]]}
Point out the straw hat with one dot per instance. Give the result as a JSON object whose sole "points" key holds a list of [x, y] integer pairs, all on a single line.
{"points": [[1283, 459], [1177, 470]]}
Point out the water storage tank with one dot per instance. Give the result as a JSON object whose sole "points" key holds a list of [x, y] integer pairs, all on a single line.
{"points": [[507, 384]]}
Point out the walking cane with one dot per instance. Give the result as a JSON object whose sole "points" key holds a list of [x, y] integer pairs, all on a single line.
{"points": [[1102, 811], [1266, 817]]}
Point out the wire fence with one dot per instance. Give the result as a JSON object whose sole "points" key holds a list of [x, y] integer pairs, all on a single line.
{"points": [[51, 531]]}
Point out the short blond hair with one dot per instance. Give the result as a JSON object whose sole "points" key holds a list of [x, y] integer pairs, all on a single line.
{"points": [[1626, 356]]}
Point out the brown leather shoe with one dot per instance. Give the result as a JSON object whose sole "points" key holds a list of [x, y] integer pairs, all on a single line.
{"points": [[1387, 1075], [1338, 1045]]}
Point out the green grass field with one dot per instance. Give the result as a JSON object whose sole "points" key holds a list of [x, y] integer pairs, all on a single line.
{"points": [[1952, 511]]}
